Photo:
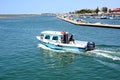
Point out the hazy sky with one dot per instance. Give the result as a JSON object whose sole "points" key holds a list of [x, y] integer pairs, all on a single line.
{"points": [[53, 6]]}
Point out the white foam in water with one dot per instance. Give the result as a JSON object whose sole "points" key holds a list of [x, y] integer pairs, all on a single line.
{"points": [[104, 51], [106, 54], [109, 56], [47, 48], [111, 65], [42, 46]]}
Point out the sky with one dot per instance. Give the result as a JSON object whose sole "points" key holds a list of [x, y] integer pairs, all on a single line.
{"points": [[53, 6]]}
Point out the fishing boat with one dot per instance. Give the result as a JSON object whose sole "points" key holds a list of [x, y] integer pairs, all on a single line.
{"points": [[61, 40]]}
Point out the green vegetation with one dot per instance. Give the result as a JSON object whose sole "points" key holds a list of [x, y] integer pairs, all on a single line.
{"points": [[83, 11], [97, 10], [104, 9]]}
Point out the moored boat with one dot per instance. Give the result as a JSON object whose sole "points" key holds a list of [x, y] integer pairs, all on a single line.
{"points": [[61, 40]]}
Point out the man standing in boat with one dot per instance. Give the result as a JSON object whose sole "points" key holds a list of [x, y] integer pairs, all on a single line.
{"points": [[67, 38], [71, 40]]}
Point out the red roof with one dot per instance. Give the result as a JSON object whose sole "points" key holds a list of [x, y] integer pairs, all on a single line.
{"points": [[115, 10]]}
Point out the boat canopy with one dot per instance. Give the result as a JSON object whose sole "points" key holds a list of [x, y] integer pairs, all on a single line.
{"points": [[54, 32], [64, 37]]}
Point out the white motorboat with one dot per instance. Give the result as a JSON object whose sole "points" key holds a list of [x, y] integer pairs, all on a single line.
{"points": [[61, 40]]}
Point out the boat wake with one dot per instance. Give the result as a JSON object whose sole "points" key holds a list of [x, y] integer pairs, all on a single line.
{"points": [[109, 64], [105, 53], [109, 51]]}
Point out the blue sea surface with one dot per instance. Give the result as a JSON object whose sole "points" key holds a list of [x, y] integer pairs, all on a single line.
{"points": [[22, 59]]}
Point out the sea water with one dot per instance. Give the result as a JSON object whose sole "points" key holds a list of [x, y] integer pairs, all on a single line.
{"points": [[21, 57]]}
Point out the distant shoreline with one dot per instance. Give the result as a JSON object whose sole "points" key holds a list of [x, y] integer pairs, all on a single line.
{"points": [[23, 15], [14, 15]]}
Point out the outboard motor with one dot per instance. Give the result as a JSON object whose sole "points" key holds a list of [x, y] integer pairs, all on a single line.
{"points": [[90, 46]]}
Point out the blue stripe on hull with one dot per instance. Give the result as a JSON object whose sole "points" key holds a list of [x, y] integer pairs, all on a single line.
{"points": [[66, 48]]}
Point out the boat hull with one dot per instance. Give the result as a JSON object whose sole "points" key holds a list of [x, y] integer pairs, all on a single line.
{"points": [[64, 48]]}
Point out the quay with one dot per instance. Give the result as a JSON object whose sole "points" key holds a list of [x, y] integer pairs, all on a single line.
{"points": [[88, 24]]}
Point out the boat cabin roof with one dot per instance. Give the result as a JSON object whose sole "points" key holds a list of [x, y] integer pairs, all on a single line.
{"points": [[54, 32]]}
